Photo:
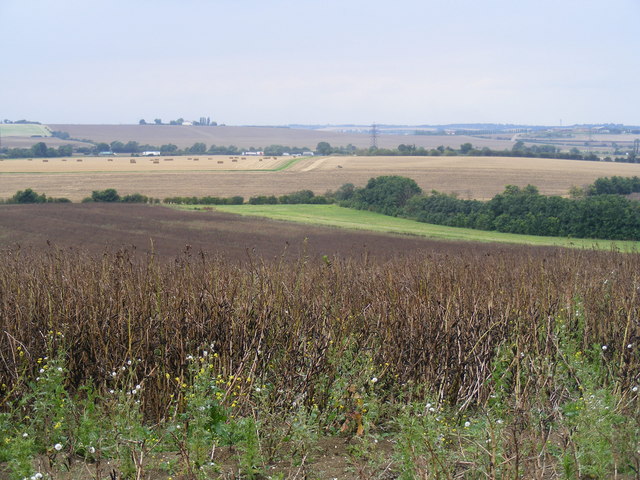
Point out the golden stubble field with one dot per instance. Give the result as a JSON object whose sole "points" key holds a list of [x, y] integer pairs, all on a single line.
{"points": [[469, 177], [128, 164]]}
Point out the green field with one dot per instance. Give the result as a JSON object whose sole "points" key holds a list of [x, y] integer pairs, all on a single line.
{"points": [[23, 130], [334, 216]]}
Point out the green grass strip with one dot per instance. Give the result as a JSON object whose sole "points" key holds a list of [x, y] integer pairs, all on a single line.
{"points": [[335, 216]]}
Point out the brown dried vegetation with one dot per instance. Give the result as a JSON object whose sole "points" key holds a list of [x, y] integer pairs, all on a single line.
{"points": [[434, 320]]}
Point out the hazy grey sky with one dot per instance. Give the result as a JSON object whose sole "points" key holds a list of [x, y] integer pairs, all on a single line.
{"points": [[321, 61]]}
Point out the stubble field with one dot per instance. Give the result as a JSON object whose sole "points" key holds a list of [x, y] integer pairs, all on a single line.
{"points": [[469, 177]]}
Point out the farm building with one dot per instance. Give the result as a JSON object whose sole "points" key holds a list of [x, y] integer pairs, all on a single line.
{"points": [[151, 153]]}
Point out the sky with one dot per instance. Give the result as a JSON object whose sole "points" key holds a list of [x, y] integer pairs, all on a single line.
{"points": [[278, 62]]}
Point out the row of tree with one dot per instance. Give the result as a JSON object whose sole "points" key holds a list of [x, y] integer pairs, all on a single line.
{"points": [[323, 148], [205, 121], [208, 200], [614, 185], [28, 195], [39, 150], [516, 210], [295, 198]]}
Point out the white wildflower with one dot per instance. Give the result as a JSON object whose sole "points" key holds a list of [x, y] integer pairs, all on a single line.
{"points": [[59, 369], [25, 435], [634, 389], [374, 380], [58, 447], [604, 348], [92, 449], [467, 424], [41, 370]]}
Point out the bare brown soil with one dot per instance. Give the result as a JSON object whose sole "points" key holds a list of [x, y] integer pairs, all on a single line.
{"points": [[169, 232], [468, 177]]}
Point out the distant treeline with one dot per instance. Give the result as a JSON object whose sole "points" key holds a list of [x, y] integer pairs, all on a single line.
{"points": [[596, 214], [614, 185], [300, 197], [39, 150], [30, 196], [197, 148], [208, 200]]}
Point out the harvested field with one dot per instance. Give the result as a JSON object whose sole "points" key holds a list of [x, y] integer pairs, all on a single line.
{"points": [[95, 227], [469, 177], [245, 137], [123, 163]]}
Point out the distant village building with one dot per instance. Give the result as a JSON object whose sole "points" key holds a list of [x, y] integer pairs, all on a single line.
{"points": [[150, 153], [307, 154], [253, 153], [106, 154]]}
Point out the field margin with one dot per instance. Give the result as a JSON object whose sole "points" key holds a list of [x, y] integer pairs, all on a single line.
{"points": [[340, 217]]}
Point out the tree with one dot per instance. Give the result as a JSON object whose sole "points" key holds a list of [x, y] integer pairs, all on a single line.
{"points": [[198, 148], [406, 149], [102, 147], [324, 148], [345, 192], [117, 147], [131, 147], [65, 150], [168, 148], [142, 121], [39, 149], [466, 148], [108, 195], [28, 196], [157, 121], [387, 194], [518, 146]]}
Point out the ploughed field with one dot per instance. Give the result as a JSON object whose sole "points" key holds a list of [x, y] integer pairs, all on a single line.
{"points": [[246, 137], [96, 227], [469, 177]]}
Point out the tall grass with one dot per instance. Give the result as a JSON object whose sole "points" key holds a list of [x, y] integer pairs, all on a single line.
{"points": [[437, 320]]}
